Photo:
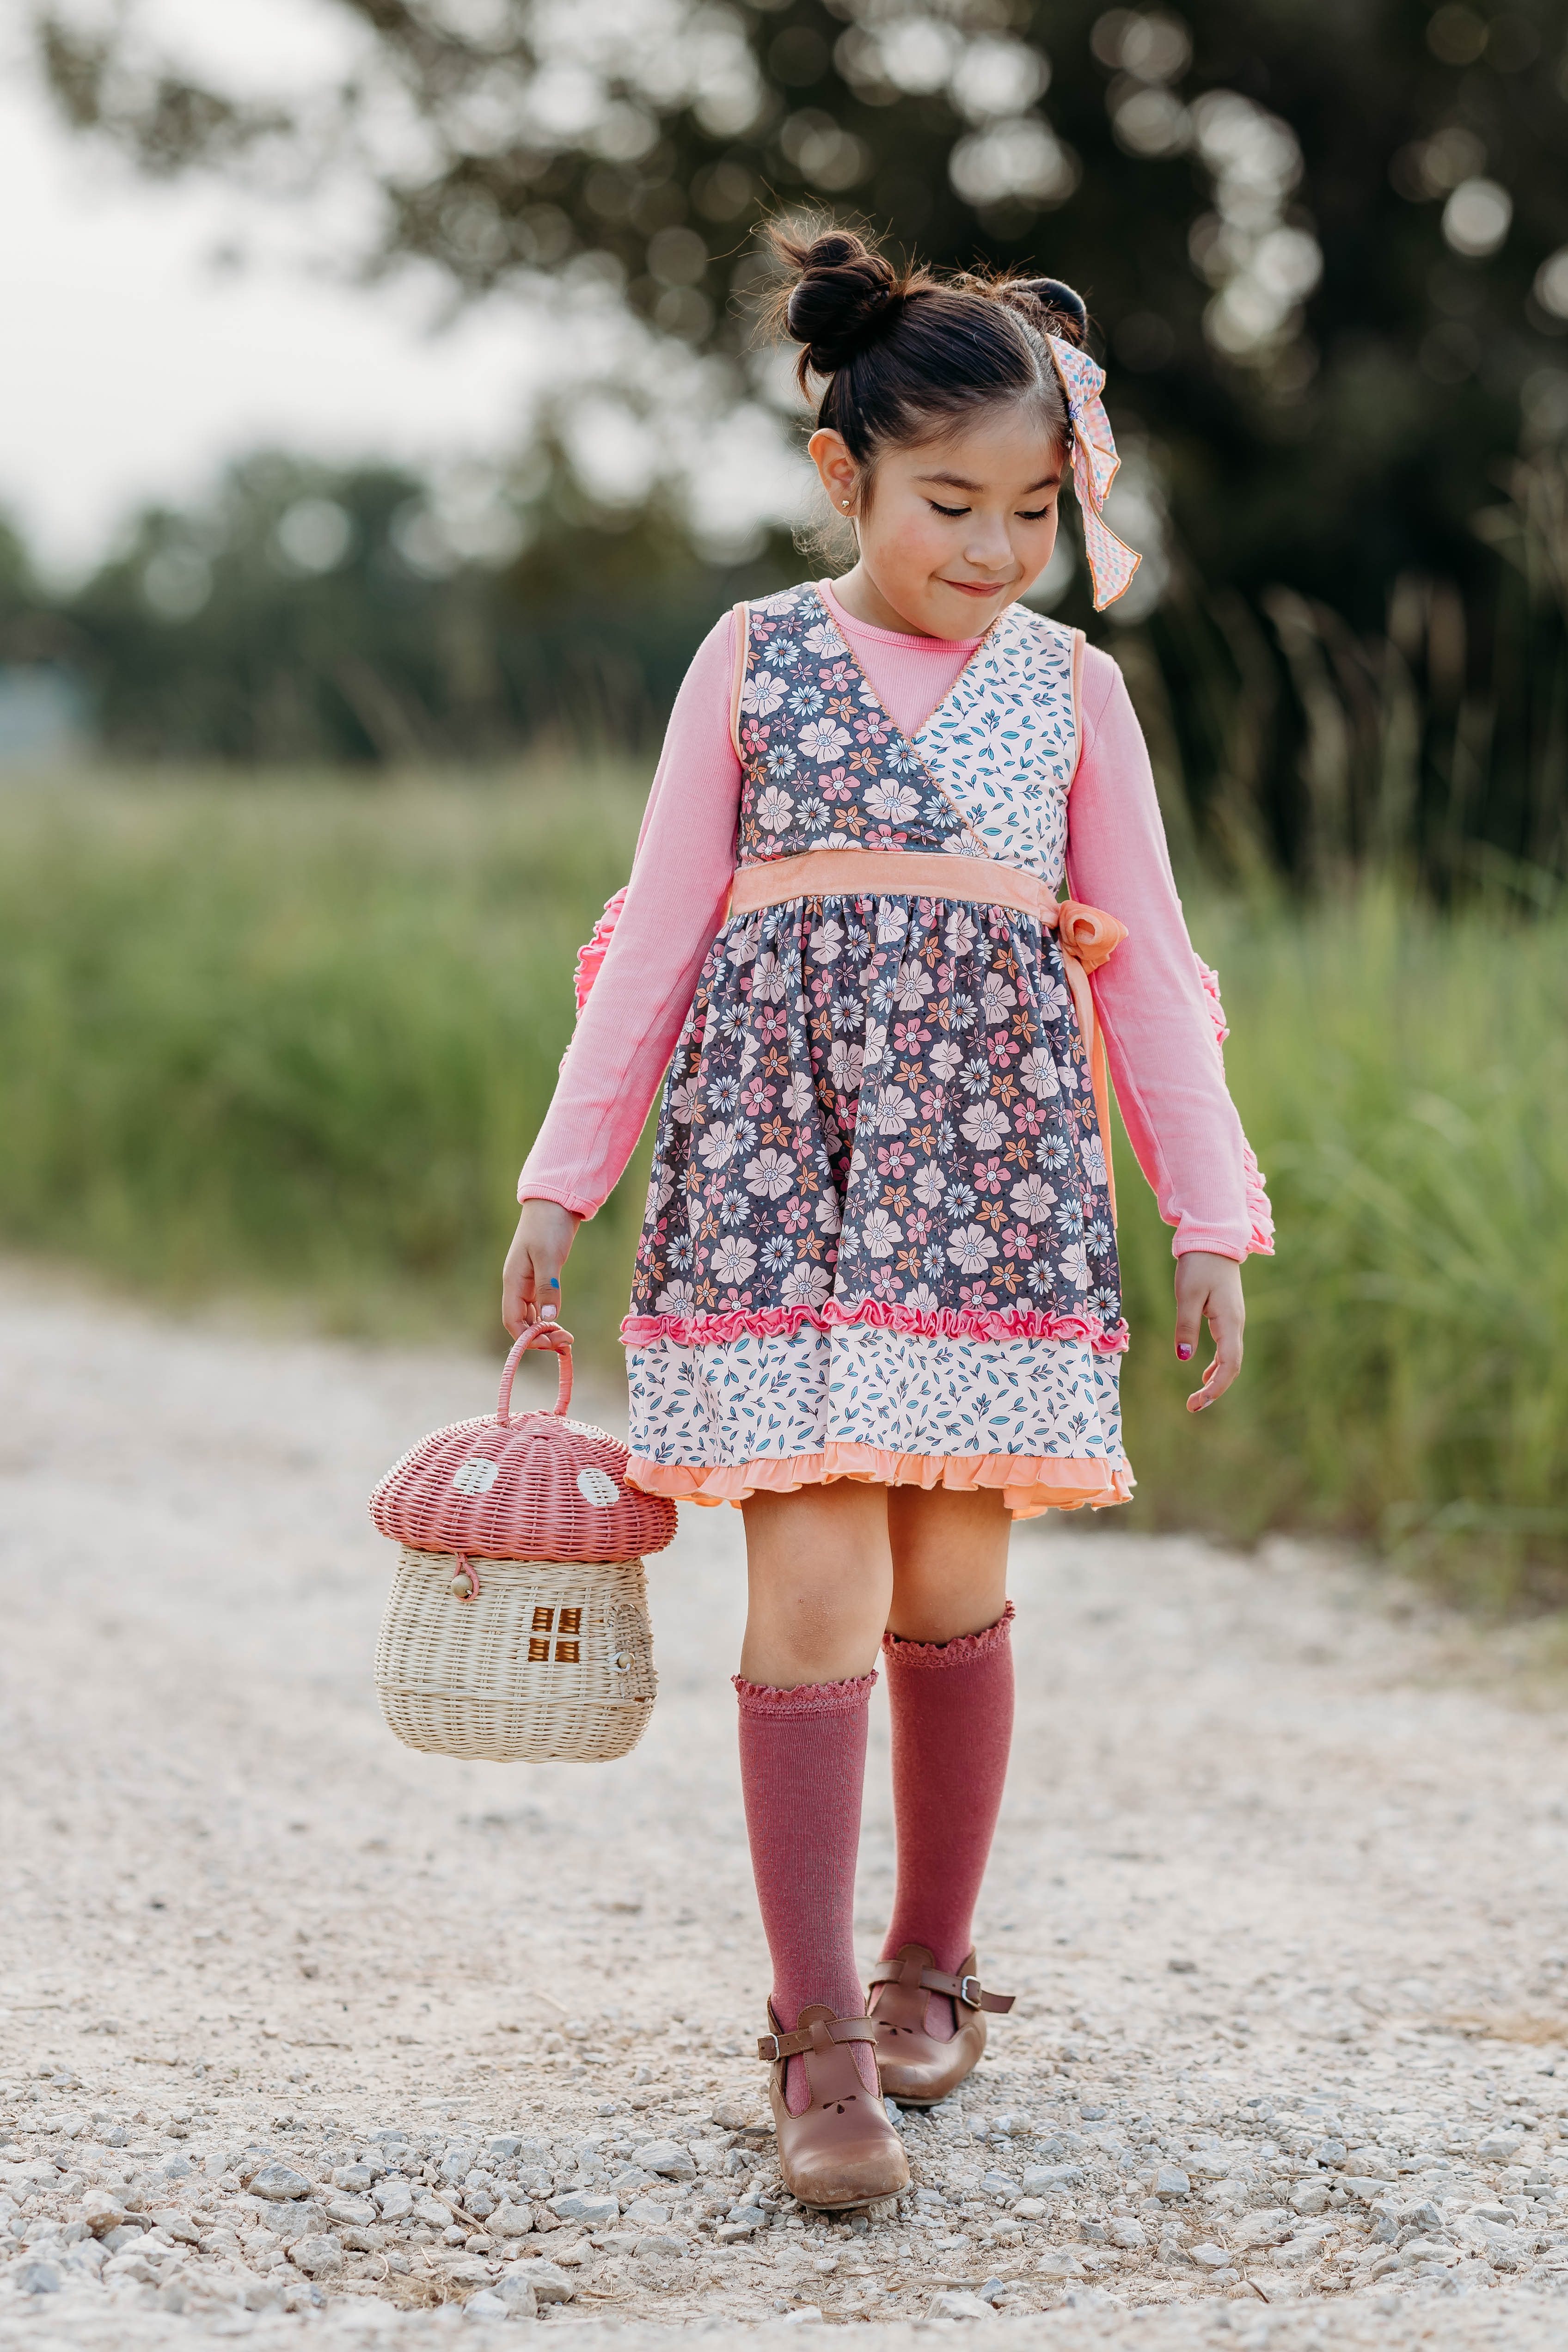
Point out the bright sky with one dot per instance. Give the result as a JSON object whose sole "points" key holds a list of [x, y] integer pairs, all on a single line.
{"points": [[132, 368]]}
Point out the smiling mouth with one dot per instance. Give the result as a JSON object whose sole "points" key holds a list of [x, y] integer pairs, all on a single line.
{"points": [[977, 587]]}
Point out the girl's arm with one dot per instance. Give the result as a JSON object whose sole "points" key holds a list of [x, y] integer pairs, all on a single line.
{"points": [[1159, 1034], [627, 1031]]}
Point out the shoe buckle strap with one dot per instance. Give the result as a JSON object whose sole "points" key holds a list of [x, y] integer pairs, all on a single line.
{"points": [[966, 1989], [772, 2047], [974, 1995]]}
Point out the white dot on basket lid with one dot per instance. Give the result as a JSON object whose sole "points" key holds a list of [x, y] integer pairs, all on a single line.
{"points": [[475, 1477], [597, 1487]]}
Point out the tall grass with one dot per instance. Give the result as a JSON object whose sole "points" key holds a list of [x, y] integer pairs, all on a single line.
{"points": [[296, 1039], [1405, 1080], [1288, 742]]}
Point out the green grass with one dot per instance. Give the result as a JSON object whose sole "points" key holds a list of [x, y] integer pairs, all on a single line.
{"points": [[1405, 1081], [292, 1041], [296, 1038]]}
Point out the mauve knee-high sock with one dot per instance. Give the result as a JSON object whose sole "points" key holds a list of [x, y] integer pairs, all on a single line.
{"points": [[952, 1705], [803, 1767]]}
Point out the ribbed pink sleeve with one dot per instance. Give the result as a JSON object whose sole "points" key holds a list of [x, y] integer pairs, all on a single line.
{"points": [[1157, 1033], [675, 903]]}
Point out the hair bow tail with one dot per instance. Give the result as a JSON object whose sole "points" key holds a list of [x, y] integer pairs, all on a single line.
{"points": [[1094, 464]]}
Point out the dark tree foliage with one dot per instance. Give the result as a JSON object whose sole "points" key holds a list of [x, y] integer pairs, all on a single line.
{"points": [[1316, 236], [1350, 444]]}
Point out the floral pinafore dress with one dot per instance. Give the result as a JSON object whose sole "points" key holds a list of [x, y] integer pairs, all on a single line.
{"points": [[878, 1242]]}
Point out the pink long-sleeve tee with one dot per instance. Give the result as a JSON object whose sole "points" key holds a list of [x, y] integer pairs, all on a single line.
{"points": [[1159, 1034]]}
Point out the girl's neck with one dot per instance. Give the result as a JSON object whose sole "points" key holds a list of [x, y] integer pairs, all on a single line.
{"points": [[858, 595]]}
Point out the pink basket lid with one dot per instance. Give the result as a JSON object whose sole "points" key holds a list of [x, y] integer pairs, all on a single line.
{"points": [[526, 1486]]}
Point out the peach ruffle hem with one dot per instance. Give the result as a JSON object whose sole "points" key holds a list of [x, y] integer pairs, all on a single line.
{"points": [[1030, 1484]]}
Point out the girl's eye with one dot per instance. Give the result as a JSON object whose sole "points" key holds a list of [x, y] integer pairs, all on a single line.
{"points": [[1032, 514], [945, 510]]}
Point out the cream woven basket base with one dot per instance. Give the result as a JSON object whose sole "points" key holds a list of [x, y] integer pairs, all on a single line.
{"points": [[496, 1676]]}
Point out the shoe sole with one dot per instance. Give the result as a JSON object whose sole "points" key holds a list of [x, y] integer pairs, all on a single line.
{"points": [[854, 2205]]}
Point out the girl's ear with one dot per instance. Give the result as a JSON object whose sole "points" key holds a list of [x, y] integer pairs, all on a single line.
{"points": [[837, 469]]}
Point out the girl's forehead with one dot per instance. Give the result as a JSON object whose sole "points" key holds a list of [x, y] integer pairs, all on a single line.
{"points": [[991, 448]]}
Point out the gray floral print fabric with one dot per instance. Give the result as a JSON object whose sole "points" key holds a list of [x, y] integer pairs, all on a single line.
{"points": [[880, 1111]]}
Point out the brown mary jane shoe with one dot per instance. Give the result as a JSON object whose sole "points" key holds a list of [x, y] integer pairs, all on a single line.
{"points": [[916, 2069], [843, 2151]]}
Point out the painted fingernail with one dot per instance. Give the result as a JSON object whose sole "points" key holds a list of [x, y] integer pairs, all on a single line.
{"points": [[547, 1315], [1184, 1350]]}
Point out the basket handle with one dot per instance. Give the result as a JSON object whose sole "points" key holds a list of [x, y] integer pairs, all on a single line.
{"points": [[538, 1335]]}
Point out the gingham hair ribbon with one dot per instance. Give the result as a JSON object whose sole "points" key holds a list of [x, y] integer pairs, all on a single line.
{"points": [[1112, 562]]}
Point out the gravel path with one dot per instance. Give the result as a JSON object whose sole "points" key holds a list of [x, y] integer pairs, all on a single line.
{"points": [[1279, 1885]]}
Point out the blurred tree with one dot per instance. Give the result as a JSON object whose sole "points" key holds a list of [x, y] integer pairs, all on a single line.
{"points": [[29, 630], [1319, 235], [1325, 241], [307, 612]]}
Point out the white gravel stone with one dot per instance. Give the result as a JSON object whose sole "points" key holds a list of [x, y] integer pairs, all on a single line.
{"points": [[581, 2205], [647, 2211], [317, 2257], [35, 2278], [510, 2221], [959, 2305], [278, 2183], [548, 2281], [1209, 2257]]}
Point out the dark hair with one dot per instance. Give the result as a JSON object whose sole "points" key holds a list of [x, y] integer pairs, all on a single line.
{"points": [[907, 357]]}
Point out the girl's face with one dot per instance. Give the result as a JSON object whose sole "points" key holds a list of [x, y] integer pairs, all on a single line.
{"points": [[958, 528]]}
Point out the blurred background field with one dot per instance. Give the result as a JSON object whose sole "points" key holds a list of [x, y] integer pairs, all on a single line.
{"points": [[291, 1042], [390, 422]]}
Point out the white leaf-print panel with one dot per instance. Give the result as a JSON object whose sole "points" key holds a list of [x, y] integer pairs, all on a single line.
{"points": [[761, 1399], [1004, 743]]}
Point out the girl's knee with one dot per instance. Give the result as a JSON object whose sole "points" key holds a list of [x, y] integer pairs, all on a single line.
{"points": [[949, 1535]]}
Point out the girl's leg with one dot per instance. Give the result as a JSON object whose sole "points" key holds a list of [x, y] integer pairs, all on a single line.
{"points": [[820, 1574], [950, 1690]]}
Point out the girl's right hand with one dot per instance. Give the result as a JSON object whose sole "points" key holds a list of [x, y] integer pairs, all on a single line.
{"points": [[530, 1279]]}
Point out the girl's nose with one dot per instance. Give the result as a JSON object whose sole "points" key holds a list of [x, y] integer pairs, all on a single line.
{"points": [[987, 546]]}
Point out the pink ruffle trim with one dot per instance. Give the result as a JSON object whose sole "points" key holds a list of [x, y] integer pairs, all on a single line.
{"points": [[942, 1323], [592, 954], [1030, 1484], [1260, 1241], [806, 1698], [924, 1657]]}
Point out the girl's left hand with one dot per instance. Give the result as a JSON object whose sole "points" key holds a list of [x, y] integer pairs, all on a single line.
{"points": [[1209, 1290]]}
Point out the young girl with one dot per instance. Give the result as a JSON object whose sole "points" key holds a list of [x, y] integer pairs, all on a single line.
{"points": [[876, 1299]]}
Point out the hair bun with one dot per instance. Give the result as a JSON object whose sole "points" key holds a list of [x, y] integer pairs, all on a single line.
{"points": [[1066, 312], [843, 299]]}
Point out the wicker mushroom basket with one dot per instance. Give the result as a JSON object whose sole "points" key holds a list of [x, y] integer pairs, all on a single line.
{"points": [[517, 1625]]}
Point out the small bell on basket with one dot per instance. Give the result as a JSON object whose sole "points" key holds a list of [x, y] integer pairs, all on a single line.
{"points": [[517, 1625]]}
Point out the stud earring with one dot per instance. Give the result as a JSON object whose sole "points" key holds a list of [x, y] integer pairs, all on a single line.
{"points": [[844, 504]]}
